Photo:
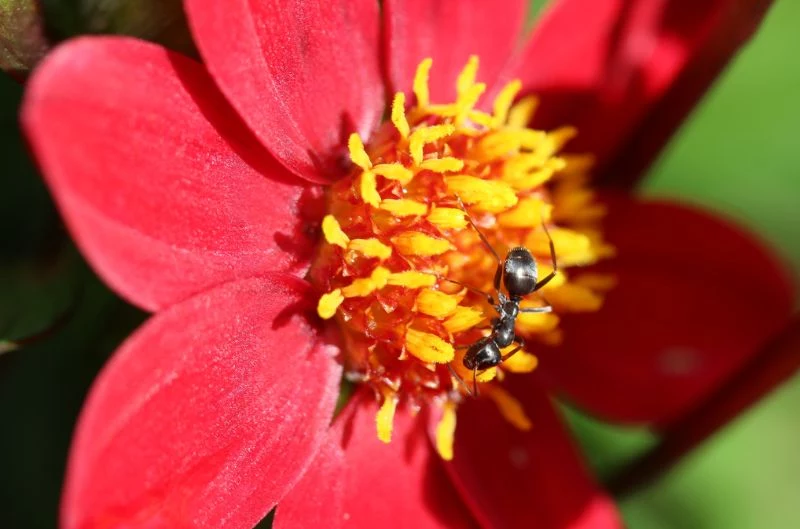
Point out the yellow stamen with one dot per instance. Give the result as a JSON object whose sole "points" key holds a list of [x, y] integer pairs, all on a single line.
{"points": [[447, 218], [437, 304], [529, 212], [544, 270], [394, 171], [370, 248], [369, 189], [416, 243], [445, 431], [487, 375], [481, 118], [425, 135], [556, 139], [488, 195], [521, 362], [443, 165], [328, 303], [535, 323], [468, 100], [333, 233], [577, 164], [496, 145], [466, 79], [524, 181], [577, 297], [367, 285], [357, 152], [502, 103], [421, 83], [399, 114], [384, 420], [463, 319], [428, 347], [510, 408], [573, 248], [404, 207], [522, 111], [412, 279]]}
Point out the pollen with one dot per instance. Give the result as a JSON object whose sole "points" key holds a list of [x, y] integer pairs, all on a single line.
{"points": [[404, 268]]}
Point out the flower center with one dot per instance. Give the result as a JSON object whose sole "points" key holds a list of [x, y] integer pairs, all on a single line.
{"points": [[408, 239]]}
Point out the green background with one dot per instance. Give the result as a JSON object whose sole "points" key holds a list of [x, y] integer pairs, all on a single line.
{"points": [[738, 154]]}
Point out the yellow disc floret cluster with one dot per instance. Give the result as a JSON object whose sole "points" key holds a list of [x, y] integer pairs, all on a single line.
{"points": [[398, 245]]}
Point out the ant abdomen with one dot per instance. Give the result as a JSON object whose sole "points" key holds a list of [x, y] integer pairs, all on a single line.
{"points": [[519, 272]]}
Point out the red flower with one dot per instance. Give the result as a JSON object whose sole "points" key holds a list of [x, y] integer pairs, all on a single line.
{"points": [[215, 409]]}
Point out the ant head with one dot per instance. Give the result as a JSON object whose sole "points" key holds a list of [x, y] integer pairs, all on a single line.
{"points": [[519, 272]]}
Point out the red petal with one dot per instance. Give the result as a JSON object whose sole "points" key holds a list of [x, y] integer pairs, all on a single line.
{"points": [[626, 73], [772, 366], [358, 481], [696, 298], [511, 478], [303, 75], [206, 416], [449, 31], [147, 163]]}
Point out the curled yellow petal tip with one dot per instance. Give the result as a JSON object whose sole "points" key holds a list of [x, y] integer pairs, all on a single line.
{"points": [[384, 419], [445, 431], [510, 408]]}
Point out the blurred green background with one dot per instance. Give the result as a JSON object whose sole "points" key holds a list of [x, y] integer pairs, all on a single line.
{"points": [[738, 154]]}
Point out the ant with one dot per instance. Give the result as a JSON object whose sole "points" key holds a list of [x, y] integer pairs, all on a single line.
{"points": [[518, 274]]}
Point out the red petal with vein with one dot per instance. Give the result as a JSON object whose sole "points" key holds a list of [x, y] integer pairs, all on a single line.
{"points": [[162, 186], [627, 72], [515, 479], [696, 298], [303, 75], [206, 416], [449, 31], [358, 481]]}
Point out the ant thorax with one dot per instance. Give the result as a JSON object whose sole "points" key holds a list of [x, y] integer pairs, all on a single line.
{"points": [[506, 307]]}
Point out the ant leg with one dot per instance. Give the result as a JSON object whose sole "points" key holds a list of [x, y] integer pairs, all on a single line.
{"points": [[499, 273], [475, 392], [521, 342], [478, 291], [552, 274], [460, 380], [546, 308]]}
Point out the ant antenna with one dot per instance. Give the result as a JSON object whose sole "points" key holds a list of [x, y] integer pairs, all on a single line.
{"points": [[552, 274], [460, 380]]}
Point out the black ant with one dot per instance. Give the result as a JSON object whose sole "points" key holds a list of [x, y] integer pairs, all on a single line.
{"points": [[518, 273]]}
